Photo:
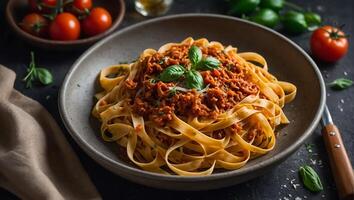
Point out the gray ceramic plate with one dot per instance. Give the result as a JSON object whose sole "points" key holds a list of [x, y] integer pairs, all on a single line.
{"points": [[286, 60]]}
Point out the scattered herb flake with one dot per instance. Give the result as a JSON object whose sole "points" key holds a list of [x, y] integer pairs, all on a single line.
{"points": [[341, 83], [309, 147]]}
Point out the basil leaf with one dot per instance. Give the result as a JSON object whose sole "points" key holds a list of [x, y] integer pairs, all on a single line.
{"points": [[172, 73], [310, 178], [341, 83], [208, 63], [44, 76], [195, 55], [194, 80]]}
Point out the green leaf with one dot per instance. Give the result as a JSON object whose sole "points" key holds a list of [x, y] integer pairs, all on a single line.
{"points": [[310, 178], [194, 80], [208, 63], [341, 84], [44, 76], [195, 55], [172, 73]]}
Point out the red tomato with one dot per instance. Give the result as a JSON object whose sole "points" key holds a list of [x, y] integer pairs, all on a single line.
{"points": [[329, 43], [65, 26], [82, 4], [98, 21], [35, 24], [42, 5]]}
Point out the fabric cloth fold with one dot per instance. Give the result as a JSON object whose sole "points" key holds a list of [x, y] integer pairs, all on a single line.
{"points": [[36, 162]]}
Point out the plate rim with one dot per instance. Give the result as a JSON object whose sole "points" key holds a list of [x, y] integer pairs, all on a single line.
{"points": [[105, 161]]}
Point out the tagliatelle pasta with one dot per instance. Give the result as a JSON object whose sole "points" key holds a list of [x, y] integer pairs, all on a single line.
{"points": [[170, 127]]}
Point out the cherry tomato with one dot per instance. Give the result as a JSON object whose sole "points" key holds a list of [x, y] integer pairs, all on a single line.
{"points": [[329, 43], [79, 7], [82, 5], [43, 6], [65, 26], [98, 21], [35, 24]]}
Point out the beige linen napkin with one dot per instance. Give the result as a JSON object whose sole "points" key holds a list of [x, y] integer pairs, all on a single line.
{"points": [[36, 162]]}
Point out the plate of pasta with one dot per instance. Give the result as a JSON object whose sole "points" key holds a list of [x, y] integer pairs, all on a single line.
{"points": [[169, 104]]}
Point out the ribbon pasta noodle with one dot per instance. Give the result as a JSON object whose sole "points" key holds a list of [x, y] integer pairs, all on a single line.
{"points": [[168, 128]]}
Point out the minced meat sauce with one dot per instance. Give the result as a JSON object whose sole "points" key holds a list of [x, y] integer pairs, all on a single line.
{"points": [[156, 100]]}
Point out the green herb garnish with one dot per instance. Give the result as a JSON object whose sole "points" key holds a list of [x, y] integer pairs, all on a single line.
{"points": [[208, 63], [195, 55], [310, 178], [199, 63], [341, 83], [309, 147], [193, 79], [172, 73], [35, 73]]}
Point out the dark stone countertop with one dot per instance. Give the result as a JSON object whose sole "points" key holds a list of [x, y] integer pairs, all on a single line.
{"points": [[276, 184]]}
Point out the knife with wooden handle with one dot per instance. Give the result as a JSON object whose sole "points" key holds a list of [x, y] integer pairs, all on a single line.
{"points": [[342, 169]]}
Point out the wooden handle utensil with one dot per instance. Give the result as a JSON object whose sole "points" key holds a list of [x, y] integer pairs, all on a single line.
{"points": [[342, 169]]}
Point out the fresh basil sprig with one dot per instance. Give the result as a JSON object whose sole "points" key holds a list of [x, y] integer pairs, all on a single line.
{"points": [[310, 178], [199, 63], [172, 73], [341, 83], [36, 73], [193, 79]]}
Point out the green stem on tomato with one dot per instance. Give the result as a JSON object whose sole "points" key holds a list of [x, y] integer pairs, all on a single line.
{"points": [[67, 2], [59, 7]]}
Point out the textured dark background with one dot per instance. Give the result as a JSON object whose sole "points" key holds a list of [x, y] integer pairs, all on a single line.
{"points": [[276, 184]]}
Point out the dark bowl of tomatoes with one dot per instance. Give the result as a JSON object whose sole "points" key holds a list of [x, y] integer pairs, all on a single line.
{"points": [[67, 25]]}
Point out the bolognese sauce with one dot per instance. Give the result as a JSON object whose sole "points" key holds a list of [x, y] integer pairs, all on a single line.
{"points": [[224, 87]]}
